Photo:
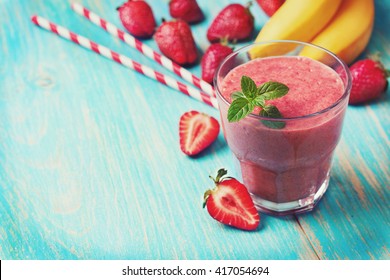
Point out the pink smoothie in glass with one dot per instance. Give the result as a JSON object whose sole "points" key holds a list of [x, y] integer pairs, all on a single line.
{"points": [[289, 164]]}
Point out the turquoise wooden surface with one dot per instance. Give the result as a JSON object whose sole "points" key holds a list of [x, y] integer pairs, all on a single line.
{"points": [[90, 166]]}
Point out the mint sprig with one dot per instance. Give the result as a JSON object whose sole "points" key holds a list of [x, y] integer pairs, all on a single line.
{"points": [[250, 96], [272, 111]]}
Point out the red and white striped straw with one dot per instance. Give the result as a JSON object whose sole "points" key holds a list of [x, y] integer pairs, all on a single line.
{"points": [[144, 49], [124, 60]]}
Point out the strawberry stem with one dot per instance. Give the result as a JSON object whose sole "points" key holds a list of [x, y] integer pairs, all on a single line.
{"points": [[205, 197], [376, 56], [221, 172], [224, 41]]}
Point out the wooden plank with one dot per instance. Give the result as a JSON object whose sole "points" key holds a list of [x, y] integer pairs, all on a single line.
{"points": [[353, 220], [91, 164]]}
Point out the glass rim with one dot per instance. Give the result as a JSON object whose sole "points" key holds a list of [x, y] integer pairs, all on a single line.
{"points": [[248, 46]]}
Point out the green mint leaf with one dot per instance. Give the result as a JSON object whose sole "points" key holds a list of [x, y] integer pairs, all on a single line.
{"points": [[272, 111], [274, 124], [239, 109], [251, 96], [272, 90], [248, 87], [237, 94], [259, 101]]}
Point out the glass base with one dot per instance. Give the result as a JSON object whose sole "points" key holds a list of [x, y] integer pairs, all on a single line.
{"points": [[293, 207]]}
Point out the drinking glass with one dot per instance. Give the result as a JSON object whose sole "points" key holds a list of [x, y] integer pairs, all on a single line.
{"points": [[286, 170]]}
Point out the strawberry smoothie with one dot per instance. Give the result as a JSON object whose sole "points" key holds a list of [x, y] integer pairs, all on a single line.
{"points": [[286, 169]]}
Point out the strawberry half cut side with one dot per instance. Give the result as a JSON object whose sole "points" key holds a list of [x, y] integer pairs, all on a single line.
{"points": [[197, 131], [230, 203]]}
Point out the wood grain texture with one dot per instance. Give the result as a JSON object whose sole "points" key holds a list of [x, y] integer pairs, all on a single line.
{"points": [[355, 213], [90, 166]]}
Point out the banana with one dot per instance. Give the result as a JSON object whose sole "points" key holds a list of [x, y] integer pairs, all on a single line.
{"points": [[299, 20], [349, 32]]}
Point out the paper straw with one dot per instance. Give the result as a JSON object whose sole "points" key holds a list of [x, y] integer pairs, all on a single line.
{"points": [[144, 49], [124, 60]]}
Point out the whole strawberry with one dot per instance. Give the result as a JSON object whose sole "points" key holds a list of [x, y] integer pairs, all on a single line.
{"points": [[230, 203], [211, 59], [270, 6], [369, 80], [174, 39], [138, 19], [234, 23], [187, 10]]}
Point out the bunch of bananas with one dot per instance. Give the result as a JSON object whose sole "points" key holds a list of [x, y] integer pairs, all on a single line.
{"points": [[342, 26]]}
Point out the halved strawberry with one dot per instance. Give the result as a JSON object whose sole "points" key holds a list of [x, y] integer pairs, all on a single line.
{"points": [[230, 203], [197, 131]]}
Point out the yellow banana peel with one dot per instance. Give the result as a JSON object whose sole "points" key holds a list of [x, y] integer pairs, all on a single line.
{"points": [[299, 20], [349, 32]]}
